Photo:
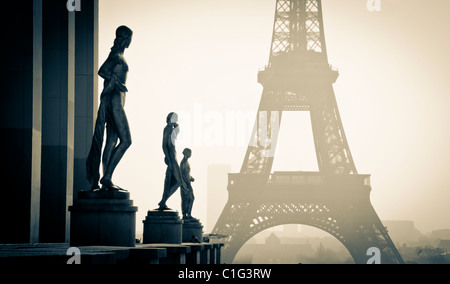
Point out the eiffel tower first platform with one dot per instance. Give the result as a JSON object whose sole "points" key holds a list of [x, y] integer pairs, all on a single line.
{"points": [[336, 199]]}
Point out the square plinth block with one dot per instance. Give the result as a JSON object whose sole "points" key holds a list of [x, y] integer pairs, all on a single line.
{"points": [[162, 227], [103, 218]]}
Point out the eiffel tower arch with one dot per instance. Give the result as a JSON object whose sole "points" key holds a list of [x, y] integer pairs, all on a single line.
{"points": [[336, 199]]}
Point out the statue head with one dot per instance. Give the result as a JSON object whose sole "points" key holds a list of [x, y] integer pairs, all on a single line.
{"points": [[123, 39], [172, 118], [187, 153]]}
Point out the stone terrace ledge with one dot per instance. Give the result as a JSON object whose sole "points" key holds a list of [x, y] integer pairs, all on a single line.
{"points": [[187, 253]]}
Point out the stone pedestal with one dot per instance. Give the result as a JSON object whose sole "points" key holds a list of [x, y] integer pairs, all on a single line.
{"points": [[103, 218], [192, 228], [162, 227]]}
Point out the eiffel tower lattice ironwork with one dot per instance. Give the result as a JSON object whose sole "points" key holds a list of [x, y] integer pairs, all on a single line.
{"points": [[336, 199]]}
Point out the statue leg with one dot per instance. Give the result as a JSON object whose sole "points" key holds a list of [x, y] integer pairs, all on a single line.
{"points": [[162, 204], [191, 201], [171, 184], [110, 145], [93, 159], [187, 200], [184, 201], [176, 182], [119, 119]]}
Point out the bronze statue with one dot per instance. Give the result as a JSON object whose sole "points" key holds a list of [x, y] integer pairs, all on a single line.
{"points": [[112, 114], [187, 193], [173, 178]]}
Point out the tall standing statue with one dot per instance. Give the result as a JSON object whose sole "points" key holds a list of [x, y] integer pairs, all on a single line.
{"points": [[111, 114], [173, 178]]}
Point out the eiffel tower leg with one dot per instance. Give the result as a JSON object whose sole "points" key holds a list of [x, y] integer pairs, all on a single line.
{"points": [[366, 231], [346, 215], [333, 152], [262, 146], [232, 223]]}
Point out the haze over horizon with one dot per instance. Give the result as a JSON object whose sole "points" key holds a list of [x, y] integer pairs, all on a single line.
{"points": [[200, 59]]}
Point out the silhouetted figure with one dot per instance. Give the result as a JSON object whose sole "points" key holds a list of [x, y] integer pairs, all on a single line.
{"points": [[173, 178], [187, 193], [112, 114]]}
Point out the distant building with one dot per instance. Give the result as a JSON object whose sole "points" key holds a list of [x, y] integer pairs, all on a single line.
{"points": [[217, 193], [444, 245], [443, 234], [273, 251], [402, 231]]}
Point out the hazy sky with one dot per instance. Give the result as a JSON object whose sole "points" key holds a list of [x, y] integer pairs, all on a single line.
{"points": [[200, 58]]}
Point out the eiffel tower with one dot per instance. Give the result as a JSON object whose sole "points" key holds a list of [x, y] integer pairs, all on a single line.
{"points": [[336, 199]]}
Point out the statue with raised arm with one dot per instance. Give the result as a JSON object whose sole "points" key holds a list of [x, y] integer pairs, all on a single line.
{"points": [[111, 114], [173, 178], [187, 193]]}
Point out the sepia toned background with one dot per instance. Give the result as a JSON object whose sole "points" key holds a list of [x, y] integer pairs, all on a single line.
{"points": [[200, 58]]}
